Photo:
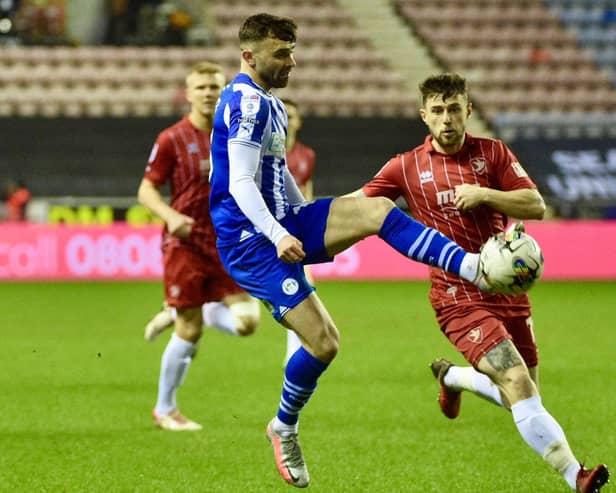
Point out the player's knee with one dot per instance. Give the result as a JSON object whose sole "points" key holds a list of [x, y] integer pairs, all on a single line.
{"points": [[327, 346], [189, 332], [247, 326], [516, 383], [189, 324], [326, 351], [246, 315]]}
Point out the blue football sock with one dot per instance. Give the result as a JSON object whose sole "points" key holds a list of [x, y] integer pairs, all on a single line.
{"points": [[300, 379], [421, 243]]}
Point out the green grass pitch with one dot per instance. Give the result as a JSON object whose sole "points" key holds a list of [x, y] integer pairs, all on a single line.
{"points": [[77, 384]]}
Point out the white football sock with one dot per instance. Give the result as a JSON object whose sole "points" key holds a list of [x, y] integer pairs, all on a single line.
{"points": [[284, 429], [545, 436], [293, 344], [218, 316], [469, 267], [174, 365], [467, 378]]}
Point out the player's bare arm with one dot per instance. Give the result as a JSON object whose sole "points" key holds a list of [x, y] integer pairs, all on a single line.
{"points": [[178, 224], [525, 203]]}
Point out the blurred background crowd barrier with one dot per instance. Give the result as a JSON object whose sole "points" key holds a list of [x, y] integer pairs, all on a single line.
{"points": [[127, 252], [87, 85]]}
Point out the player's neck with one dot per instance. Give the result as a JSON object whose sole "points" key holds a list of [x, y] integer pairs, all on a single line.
{"points": [[250, 72], [451, 149], [200, 121]]}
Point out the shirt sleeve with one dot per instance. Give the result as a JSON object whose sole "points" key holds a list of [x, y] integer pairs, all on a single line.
{"points": [[386, 181], [293, 192], [243, 165], [161, 161], [512, 175]]}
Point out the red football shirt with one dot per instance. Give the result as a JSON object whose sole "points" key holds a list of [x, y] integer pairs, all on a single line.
{"points": [[301, 161], [181, 156], [427, 180]]}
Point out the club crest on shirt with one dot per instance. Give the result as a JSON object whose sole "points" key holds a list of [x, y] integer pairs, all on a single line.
{"points": [[479, 164], [249, 105]]}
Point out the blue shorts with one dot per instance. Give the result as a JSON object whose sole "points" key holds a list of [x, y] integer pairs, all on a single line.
{"points": [[255, 266]]}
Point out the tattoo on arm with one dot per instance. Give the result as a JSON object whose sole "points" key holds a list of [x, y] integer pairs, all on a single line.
{"points": [[504, 356]]}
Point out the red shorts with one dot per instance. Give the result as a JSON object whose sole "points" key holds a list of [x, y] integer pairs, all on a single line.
{"points": [[192, 278], [481, 328]]}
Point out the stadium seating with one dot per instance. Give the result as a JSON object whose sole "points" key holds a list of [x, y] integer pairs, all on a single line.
{"points": [[594, 24], [338, 72], [519, 57], [530, 55]]}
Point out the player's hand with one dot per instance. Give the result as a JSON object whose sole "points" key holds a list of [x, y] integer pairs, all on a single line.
{"points": [[180, 225], [468, 196], [290, 250]]}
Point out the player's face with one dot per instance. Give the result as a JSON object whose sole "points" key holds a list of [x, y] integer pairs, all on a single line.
{"points": [[202, 91], [295, 120], [446, 120], [273, 62]]}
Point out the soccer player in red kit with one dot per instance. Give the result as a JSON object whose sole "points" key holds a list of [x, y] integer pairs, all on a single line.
{"points": [[193, 274], [466, 187]]}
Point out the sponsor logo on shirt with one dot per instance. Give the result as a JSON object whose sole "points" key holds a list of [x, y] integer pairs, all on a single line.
{"points": [[248, 119], [192, 148], [445, 200], [426, 176], [245, 235], [519, 170], [277, 145], [445, 197]]}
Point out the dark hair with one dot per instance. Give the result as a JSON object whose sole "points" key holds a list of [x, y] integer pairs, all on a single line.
{"points": [[446, 85], [262, 26]]}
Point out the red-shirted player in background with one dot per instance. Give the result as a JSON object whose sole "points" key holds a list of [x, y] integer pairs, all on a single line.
{"points": [[301, 160], [196, 284], [16, 197], [466, 187]]}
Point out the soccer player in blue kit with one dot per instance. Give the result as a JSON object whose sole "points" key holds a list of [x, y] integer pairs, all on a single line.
{"points": [[266, 230]]}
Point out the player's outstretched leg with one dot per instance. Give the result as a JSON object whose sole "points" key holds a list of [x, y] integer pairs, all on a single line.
{"points": [[449, 400], [454, 379], [429, 246]]}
